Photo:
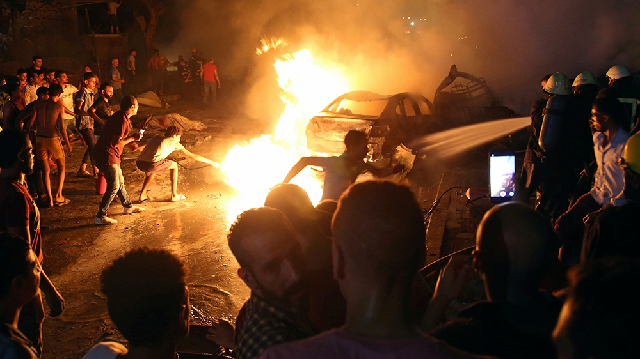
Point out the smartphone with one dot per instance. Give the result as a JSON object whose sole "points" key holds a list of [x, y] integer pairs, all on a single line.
{"points": [[502, 175]]}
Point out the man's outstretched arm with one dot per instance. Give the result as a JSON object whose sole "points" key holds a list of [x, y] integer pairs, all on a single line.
{"points": [[302, 163], [200, 158]]}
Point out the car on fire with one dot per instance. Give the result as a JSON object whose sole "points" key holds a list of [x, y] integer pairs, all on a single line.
{"points": [[394, 121], [388, 120]]}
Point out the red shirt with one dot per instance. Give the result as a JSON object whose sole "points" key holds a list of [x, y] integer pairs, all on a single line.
{"points": [[209, 72], [17, 209], [107, 150]]}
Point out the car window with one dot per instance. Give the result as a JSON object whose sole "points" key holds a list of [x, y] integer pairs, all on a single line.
{"points": [[408, 107], [369, 108], [424, 108]]}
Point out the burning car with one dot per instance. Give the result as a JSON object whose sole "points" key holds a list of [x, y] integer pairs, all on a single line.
{"points": [[388, 120], [391, 121]]}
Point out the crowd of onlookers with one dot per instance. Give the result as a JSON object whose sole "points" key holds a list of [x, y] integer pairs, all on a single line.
{"points": [[342, 279]]}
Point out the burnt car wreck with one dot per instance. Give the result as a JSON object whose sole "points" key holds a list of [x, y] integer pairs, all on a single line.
{"points": [[397, 120]]}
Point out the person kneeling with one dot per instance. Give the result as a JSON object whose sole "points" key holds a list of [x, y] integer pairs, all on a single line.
{"points": [[153, 160]]}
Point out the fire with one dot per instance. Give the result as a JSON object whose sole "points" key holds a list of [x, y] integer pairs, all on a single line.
{"points": [[253, 168], [270, 44]]}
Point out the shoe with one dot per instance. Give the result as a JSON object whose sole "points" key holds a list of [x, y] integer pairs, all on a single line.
{"points": [[84, 173], [132, 209], [105, 220], [178, 198]]}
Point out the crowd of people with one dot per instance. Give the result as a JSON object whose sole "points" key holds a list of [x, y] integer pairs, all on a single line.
{"points": [[342, 279]]}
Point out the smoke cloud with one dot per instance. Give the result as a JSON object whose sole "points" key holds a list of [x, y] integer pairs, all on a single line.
{"points": [[511, 43]]}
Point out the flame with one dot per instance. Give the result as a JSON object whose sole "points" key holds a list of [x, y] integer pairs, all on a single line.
{"points": [[253, 168], [270, 44]]}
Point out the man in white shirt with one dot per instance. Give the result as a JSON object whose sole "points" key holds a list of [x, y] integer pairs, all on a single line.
{"points": [[153, 160], [31, 87], [131, 72], [609, 139], [68, 93]]}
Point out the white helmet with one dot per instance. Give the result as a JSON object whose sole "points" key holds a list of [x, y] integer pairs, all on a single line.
{"points": [[585, 78], [617, 72], [558, 84]]}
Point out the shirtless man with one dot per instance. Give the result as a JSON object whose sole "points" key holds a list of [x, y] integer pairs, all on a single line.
{"points": [[48, 116], [342, 171]]}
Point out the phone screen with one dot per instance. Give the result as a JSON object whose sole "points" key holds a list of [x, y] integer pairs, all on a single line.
{"points": [[502, 173]]}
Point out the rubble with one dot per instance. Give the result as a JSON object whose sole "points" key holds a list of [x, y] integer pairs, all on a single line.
{"points": [[174, 119]]}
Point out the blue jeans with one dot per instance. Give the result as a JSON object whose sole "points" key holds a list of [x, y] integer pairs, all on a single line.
{"points": [[90, 141], [115, 186]]}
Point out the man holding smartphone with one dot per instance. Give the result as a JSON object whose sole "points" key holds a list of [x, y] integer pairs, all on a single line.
{"points": [[107, 151]]}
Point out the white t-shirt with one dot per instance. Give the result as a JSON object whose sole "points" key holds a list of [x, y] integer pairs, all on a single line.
{"points": [[158, 148], [106, 350], [68, 91], [131, 63], [30, 94]]}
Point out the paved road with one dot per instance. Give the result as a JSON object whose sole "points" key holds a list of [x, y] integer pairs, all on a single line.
{"points": [[76, 251]]}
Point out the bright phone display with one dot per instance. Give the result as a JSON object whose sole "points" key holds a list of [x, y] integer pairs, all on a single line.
{"points": [[502, 174]]}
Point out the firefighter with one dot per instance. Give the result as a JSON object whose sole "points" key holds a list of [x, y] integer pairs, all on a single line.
{"points": [[532, 156], [585, 90], [621, 87], [556, 141]]}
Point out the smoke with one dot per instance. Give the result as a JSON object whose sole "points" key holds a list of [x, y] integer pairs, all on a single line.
{"points": [[511, 43]]}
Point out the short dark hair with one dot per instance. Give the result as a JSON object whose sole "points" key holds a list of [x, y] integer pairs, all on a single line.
{"points": [[613, 108], [546, 77], [292, 200], [255, 222], [145, 290], [132, 50], [606, 313], [31, 74], [13, 261], [114, 58], [21, 71], [42, 91], [36, 57], [104, 85], [127, 102], [59, 73], [11, 87], [50, 71], [11, 143], [379, 227], [87, 76], [172, 131], [55, 90], [354, 137]]}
